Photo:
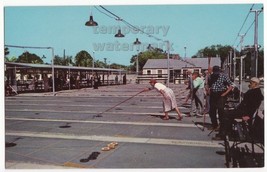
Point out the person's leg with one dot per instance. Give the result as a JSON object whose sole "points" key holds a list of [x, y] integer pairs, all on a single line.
{"points": [[166, 116], [179, 113], [166, 107], [193, 107], [207, 105], [213, 109], [187, 98], [221, 104]]}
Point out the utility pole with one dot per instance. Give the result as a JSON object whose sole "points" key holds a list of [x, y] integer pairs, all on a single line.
{"points": [[230, 64], [241, 65], [241, 61], [234, 63], [254, 59]]}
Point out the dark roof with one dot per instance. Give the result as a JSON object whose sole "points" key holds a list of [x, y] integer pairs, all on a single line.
{"points": [[162, 64], [179, 64], [203, 62], [48, 66]]}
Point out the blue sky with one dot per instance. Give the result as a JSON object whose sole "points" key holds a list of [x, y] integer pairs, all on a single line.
{"points": [[62, 26]]}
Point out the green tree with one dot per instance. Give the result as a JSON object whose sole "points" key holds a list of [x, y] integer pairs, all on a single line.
{"points": [[83, 58], [99, 64], [261, 63], [215, 50], [144, 56], [27, 57], [11, 59], [63, 61]]}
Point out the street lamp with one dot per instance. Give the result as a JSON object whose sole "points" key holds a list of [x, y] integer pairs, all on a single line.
{"points": [[119, 34], [91, 21], [137, 42]]}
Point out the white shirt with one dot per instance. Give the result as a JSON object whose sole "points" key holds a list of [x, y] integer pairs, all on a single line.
{"points": [[159, 86]]}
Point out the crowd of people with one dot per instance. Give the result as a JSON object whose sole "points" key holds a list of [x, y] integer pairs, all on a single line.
{"points": [[208, 94]]}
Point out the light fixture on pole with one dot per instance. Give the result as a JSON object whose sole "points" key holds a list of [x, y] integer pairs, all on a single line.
{"points": [[91, 21], [119, 34], [137, 42]]}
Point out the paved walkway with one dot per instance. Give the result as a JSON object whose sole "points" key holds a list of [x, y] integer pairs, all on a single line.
{"points": [[63, 131]]}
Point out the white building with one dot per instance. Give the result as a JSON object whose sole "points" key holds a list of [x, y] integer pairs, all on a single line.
{"points": [[158, 68]]}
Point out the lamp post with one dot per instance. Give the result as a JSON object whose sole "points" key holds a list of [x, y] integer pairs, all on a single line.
{"points": [[53, 71], [168, 62], [93, 64], [137, 42], [185, 52]]}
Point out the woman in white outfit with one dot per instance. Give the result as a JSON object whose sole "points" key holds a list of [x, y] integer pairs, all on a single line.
{"points": [[169, 100]]}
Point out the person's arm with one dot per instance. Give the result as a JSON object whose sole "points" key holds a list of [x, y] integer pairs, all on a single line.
{"points": [[230, 87], [227, 91], [147, 89]]}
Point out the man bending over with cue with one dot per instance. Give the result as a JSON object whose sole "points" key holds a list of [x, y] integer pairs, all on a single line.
{"points": [[169, 101]]}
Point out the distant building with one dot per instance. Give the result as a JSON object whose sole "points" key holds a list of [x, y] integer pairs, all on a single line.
{"points": [[158, 68]]}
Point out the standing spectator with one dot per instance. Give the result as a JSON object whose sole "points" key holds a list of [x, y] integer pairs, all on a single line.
{"points": [[207, 93], [198, 95], [72, 81], [95, 81], [189, 87], [124, 79], [219, 86], [169, 100], [116, 79], [77, 84], [46, 83]]}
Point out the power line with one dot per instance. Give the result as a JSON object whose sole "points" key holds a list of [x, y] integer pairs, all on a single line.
{"points": [[127, 23], [104, 13], [243, 24], [248, 28], [16, 46]]}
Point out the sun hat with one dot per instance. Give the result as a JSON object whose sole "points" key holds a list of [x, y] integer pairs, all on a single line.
{"points": [[255, 79]]}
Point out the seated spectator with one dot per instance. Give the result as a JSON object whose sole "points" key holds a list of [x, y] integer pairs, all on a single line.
{"points": [[245, 110]]}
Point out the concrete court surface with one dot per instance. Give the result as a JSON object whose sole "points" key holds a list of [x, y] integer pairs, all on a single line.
{"points": [[64, 131]]}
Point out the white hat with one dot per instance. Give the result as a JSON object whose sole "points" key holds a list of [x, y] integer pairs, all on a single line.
{"points": [[254, 79]]}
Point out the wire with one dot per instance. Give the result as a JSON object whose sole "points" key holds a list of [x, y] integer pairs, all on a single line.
{"points": [[249, 28], [127, 23], [109, 12], [16, 46], [104, 13], [243, 24]]}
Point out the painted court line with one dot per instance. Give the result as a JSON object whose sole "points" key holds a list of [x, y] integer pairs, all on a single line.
{"points": [[176, 142], [104, 122], [84, 112]]}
